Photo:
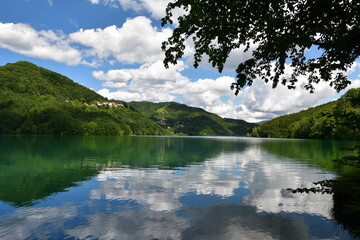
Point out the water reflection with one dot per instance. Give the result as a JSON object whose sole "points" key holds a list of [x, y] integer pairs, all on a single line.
{"points": [[33, 168], [264, 184], [233, 221], [176, 188]]}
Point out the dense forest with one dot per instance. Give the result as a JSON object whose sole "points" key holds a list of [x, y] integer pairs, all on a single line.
{"points": [[182, 119], [34, 100], [339, 119]]}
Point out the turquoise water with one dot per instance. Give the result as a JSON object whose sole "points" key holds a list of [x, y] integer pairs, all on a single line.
{"points": [[165, 188]]}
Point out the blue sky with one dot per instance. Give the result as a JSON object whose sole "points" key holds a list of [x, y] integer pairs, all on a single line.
{"points": [[113, 47]]}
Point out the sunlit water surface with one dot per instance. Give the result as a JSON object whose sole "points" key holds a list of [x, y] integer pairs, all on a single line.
{"points": [[165, 188]]}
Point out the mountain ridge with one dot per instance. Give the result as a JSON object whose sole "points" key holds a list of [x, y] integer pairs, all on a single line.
{"points": [[181, 118], [35, 100]]}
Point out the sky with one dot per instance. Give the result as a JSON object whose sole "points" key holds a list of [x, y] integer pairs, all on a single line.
{"points": [[114, 48]]}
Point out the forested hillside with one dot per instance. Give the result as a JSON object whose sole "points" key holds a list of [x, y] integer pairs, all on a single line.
{"points": [[35, 100], [182, 119], [339, 119]]}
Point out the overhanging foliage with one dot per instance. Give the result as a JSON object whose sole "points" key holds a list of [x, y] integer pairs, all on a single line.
{"points": [[281, 31]]}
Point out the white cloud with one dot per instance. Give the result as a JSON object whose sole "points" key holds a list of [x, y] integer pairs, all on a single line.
{"points": [[206, 93], [23, 39], [129, 96], [262, 97], [152, 82], [110, 84], [137, 41], [354, 84], [237, 56], [262, 102], [148, 74], [230, 109], [155, 7], [121, 75]]}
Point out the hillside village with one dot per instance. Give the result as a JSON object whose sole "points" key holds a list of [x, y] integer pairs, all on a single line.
{"points": [[110, 104], [99, 104]]}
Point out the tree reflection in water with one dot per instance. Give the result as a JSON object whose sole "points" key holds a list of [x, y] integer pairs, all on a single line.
{"points": [[164, 188]]}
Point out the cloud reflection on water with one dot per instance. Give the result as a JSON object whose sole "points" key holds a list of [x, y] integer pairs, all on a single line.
{"points": [[267, 180], [160, 203]]}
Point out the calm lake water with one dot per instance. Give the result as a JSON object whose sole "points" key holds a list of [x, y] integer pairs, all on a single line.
{"points": [[166, 188]]}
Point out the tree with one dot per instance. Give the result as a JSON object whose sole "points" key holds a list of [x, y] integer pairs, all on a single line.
{"points": [[280, 30]]}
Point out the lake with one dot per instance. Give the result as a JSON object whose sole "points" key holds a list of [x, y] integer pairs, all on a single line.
{"points": [[134, 187]]}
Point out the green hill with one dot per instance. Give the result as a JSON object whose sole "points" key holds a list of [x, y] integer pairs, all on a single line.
{"points": [[182, 119], [34, 100], [27, 79], [339, 119]]}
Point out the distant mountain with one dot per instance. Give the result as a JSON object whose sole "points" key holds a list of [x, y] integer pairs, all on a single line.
{"points": [[34, 100], [182, 119], [262, 122], [339, 119]]}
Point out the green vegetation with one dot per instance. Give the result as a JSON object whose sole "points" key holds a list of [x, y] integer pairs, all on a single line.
{"points": [[36, 167], [276, 33], [185, 120], [339, 119], [35, 100]]}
